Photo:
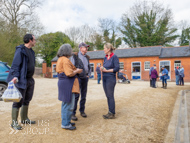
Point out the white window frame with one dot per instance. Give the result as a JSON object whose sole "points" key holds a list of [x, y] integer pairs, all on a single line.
{"points": [[132, 73], [53, 70], [177, 64], [169, 72], [121, 64], [92, 65], [92, 72], [146, 69]]}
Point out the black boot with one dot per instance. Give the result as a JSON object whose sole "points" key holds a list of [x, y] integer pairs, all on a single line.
{"points": [[165, 85], [15, 125], [162, 85], [24, 115]]}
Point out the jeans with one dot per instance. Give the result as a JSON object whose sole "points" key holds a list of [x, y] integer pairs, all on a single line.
{"points": [[153, 82], [99, 78], [109, 83], [164, 80], [177, 79], [83, 90], [66, 112], [181, 81]]}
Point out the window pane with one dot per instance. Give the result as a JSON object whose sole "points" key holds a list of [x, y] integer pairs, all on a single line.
{"points": [[147, 65], [121, 65]]}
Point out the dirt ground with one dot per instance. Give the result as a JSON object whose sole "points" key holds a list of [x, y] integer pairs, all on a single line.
{"points": [[142, 115]]}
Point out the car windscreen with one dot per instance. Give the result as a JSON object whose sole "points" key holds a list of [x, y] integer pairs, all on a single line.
{"points": [[4, 67]]}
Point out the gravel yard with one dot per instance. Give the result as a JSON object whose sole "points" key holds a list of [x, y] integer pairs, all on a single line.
{"points": [[143, 115]]}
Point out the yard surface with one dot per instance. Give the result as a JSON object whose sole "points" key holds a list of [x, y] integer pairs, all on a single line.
{"points": [[143, 115]]}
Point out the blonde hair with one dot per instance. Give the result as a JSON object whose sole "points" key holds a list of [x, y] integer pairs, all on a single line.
{"points": [[109, 46]]}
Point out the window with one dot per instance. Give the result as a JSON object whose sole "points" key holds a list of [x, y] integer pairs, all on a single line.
{"points": [[146, 65], [136, 67], [98, 64], [92, 70], [121, 66], [177, 64], [92, 67], [54, 68], [166, 65]]}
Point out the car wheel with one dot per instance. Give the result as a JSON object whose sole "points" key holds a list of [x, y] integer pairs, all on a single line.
{"points": [[3, 87]]}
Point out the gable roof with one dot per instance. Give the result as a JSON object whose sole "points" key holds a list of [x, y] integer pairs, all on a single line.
{"points": [[126, 53], [54, 59], [175, 52], [158, 51]]}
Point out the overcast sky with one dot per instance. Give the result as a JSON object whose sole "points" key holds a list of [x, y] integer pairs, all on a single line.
{"points": [[58, 15]]}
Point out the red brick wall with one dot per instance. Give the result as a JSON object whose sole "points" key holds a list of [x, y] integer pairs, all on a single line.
{"points": [[153, 60], [144, 73], [95, 65]]}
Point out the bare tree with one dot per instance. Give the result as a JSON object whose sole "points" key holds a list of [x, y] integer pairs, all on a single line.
{"points": [[17, 18], [106, 24], [86, 33], [20, 14], [80, 34], [73, 33]]}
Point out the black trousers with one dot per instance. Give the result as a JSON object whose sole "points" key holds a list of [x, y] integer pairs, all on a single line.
{"points": [[150, 82], [153, 82], [181, 80], [83, 90], [27, 94]]}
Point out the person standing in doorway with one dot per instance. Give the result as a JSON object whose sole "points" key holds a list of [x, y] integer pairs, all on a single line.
{"points": [[109, 69], [177, 75], [154, 76], [181, 76], [83, 77], [150, 71], [98, 73], [22, 70], [164, 77]]}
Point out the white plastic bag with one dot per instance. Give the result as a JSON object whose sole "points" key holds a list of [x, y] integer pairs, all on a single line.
{"points": [[11, 94]]}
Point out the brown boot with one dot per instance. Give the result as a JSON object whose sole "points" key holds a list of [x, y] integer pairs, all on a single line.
{"points": [[109, 116]]}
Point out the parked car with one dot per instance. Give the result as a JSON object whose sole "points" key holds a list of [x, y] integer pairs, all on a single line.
{"points": [[4, 71]]}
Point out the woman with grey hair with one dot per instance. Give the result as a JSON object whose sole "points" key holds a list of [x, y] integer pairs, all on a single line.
{"points": [[68, 85]]}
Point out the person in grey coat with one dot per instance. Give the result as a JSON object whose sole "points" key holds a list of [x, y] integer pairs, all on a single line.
{"points": [[181, 76]]}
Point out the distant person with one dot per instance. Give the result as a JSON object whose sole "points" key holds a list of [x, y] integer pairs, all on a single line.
{"points": [[181, 76], [109, 69], [68, 85], [98, 73], [177, 75], [83, 77], [137, 70], [164, 77], [151, 69], [154, 76], [121, 75], [22, 69]]}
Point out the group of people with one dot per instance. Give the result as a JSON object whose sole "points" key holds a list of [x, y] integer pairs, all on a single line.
{"points": [[73, 74], [179, 74], [153, 74]]}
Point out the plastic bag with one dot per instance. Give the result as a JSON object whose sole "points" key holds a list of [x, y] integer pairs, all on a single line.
{"points": [[11, 94]]}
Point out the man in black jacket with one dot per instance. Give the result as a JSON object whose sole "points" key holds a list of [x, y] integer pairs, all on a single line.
{"points": [[81, 60], [22, 70]]}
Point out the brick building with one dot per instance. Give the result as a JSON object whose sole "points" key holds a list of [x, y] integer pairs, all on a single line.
{"points": [[137, 61]]}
